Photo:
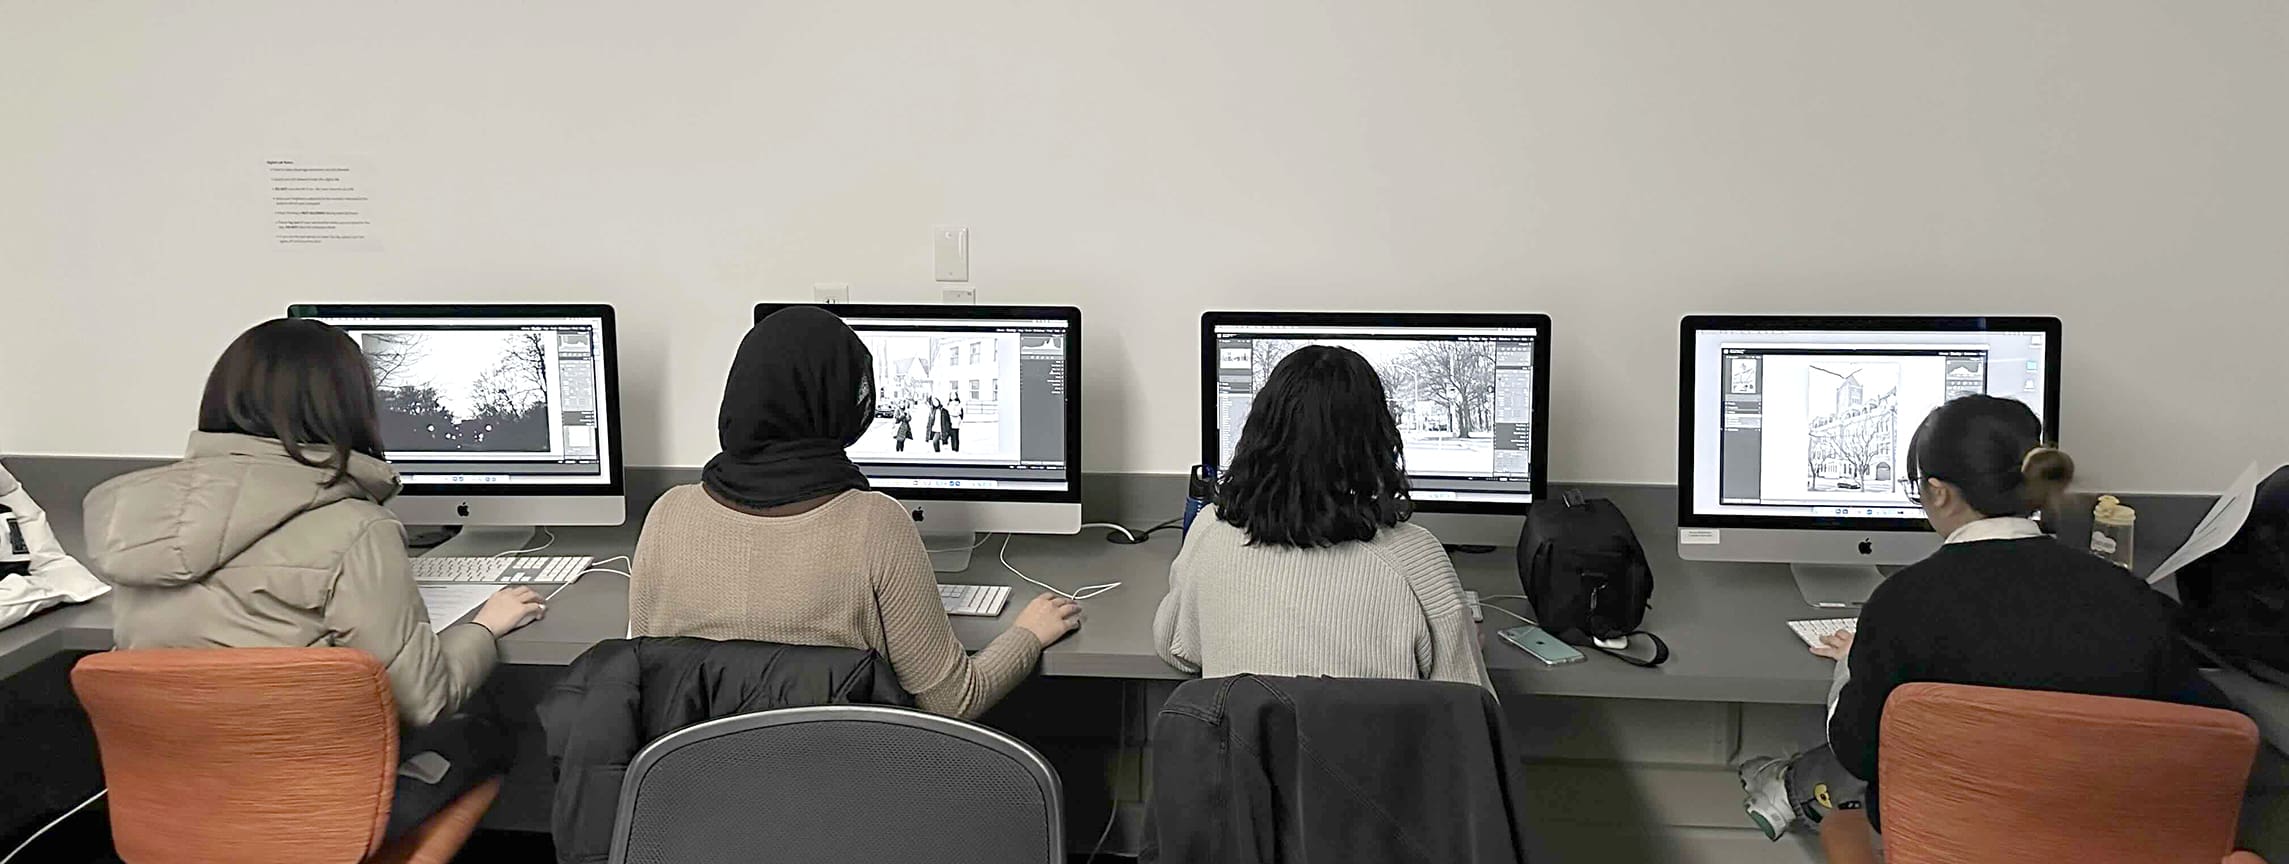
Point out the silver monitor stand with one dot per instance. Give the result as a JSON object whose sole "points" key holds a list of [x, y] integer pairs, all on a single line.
{"points": [[950, 551], [485, 541], [1836, 586]]}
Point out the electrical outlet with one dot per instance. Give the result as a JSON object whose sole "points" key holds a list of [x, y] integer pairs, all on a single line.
{"points": [[953, 253], [960, 295], [830, 292]]}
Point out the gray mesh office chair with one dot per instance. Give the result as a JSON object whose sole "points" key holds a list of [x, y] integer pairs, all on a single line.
{"points": [[839, 783]]}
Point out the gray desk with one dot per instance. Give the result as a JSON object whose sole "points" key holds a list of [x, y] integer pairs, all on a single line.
{"points": [[1724, 622]]}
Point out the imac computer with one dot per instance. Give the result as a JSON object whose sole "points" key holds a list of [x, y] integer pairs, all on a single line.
{"points": [[977, 418], [1794, 434], [498, 418], [1470, 393]]}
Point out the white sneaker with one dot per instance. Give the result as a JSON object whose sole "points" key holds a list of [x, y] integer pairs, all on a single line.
{"points": [[1765, 782]]}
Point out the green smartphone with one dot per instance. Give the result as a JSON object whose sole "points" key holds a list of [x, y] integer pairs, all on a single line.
{"points": [[1545, 647]]}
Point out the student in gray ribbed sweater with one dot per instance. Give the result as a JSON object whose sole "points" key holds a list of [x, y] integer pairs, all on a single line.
{"points": [[1305, 564]]}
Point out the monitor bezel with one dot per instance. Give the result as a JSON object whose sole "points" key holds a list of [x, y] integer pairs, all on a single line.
{"points": [[1538, 460], [1691, 326], [616, 449], [1070, 315]]}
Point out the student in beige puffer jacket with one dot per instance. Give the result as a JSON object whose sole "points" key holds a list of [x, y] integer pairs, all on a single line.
{"points": [[271, 533]]}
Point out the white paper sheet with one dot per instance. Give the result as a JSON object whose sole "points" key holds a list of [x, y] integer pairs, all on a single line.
{"points": [[448, 602], [2224, 520]]}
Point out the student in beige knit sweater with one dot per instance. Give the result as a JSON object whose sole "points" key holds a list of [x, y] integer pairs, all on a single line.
{"points": [[1306, 564], [781, 541]]}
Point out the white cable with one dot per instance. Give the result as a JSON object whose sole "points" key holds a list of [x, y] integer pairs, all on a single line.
{"points": [[551, 541], [576, 577], [1114, 806], [1079, 594], [1482, 604], [1485, 605], [1125, 532], [11, 856]]}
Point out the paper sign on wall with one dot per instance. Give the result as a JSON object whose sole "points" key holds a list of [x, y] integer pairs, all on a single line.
{"points": [[319, 202]]}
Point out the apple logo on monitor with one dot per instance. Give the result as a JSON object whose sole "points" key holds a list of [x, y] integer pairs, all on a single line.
{"points": [[463, 511], [1867, 547]]}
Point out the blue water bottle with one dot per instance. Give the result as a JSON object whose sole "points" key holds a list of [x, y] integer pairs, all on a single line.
{"points": [[1202, 486]]}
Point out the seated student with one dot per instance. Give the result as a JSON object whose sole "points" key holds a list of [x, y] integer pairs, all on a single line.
{"points": [[271, 533], [1306, 564], [782, 542], [1963, 616]]}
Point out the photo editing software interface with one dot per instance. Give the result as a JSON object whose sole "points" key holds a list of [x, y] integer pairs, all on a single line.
{"points": [[966, 403], [483, 400], [1463, 398], [1817, 423]]}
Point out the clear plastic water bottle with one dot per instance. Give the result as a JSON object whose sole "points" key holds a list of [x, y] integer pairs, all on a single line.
{"points": [[2113, 527]]}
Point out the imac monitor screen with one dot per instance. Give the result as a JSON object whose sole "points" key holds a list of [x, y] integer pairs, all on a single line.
{"points": [[495, 402], [1795, 430], [1469, 392], [976, 406]]}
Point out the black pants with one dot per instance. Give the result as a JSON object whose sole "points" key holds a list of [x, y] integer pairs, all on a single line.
{"points": [[954, 439], [475, 745]]}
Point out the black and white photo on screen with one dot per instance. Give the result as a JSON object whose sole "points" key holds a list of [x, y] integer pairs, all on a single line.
{"points": [[943, 397], [1440, 391], [472, 391]]}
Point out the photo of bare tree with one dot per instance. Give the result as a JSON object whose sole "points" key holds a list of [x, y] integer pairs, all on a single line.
{"points": [[1441, 392], [462, 391], [1853, 435]]}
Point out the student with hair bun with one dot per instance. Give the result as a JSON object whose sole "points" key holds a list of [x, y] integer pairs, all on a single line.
{"points": [[2000, 605]]}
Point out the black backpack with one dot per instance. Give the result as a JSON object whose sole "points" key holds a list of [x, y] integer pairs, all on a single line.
{"points": [[1586, 574], [2236, 600]]}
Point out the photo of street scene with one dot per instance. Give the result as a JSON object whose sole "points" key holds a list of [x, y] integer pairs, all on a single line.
{"points": [[1441, 392], [472, 391], [1853, 435], [942, 397]]}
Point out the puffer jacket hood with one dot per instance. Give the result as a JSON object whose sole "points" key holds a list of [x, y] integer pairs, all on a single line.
{"points": [[179, 523]]}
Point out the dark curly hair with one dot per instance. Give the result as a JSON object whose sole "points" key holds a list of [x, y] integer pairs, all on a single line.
{"points": [[1318, 461]]}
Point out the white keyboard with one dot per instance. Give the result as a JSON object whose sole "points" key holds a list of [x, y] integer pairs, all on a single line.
{"points": [[983, 601], [506, 570], [1811, 630]]}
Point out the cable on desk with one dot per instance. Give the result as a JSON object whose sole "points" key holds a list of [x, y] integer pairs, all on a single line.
{"points": [[1482, 604], [1126, 536], [1079, 594], [593, 567]]}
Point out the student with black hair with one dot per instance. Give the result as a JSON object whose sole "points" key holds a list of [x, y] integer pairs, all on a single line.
{"points": [[1305, 563], [2000, 605], [270, 532]]}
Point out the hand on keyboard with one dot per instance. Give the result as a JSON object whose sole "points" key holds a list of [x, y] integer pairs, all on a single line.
{"points": [[1827, 637], [1834, 646]]}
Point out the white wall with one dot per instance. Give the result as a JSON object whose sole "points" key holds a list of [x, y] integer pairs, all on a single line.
{"points": [[1613, 163]]}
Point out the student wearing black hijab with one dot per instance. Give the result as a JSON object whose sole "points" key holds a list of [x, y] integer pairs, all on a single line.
{"points": [[782, 540]]}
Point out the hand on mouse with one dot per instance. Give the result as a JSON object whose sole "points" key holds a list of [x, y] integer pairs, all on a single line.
{"points": [[1049, 617], [1834, 645], [509, 609]]}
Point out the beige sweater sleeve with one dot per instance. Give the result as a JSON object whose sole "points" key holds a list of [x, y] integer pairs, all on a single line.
{"points": [[920, 640], [377, 609]]}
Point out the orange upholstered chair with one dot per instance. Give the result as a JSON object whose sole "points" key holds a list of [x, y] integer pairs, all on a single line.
{"points": [[1981, 774], [256, 755]]}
